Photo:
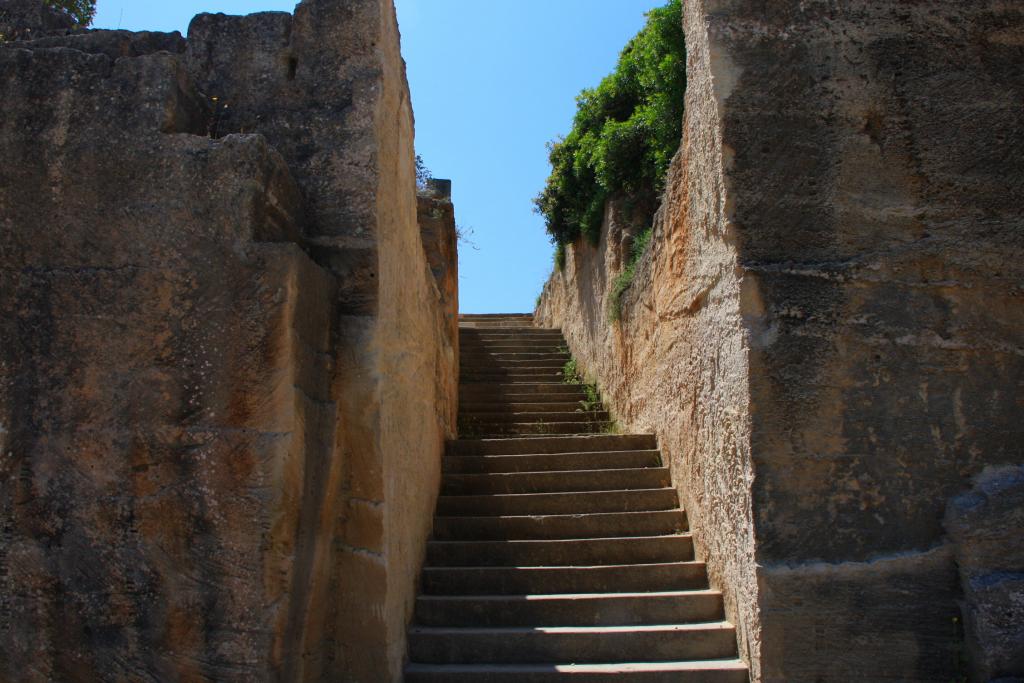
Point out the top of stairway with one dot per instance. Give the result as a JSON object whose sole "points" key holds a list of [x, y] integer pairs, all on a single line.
{"points": [[496, 320]]}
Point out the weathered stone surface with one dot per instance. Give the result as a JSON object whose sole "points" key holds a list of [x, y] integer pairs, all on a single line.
{"points": [[827, 331], [114, 44], [436, 216], [310, 84], [985, 525], [219, 455], [26, 19], [159, 392]]}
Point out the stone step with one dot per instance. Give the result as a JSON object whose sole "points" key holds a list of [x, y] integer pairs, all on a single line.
{"points": [[492, 324], [561, 553], [498, 417], [528, 402], [553, 444], [491, 407], [663, 576], [498, 357], [546, 462], [712, 671], [492, 364], [552, 368], [506, 429], [577, 644], [522, 345], [503, 376], [549, 482], [555, 372], [500, 389], [541, 345], [471, 399], [514, 328], [492, 316], [478, 347], [486, 347], [511, 333], [584, 502], [597, 525], [468, 323], [580, 609]]}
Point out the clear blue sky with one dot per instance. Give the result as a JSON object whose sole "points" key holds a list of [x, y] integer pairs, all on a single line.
{"points": [[491, 82]]}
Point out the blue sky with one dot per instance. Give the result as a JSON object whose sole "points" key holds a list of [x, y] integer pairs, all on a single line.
{"points": [[491, 82]]}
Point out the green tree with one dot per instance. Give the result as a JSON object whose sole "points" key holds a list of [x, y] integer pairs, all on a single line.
{"points": [[82, 11], [624, 134]]}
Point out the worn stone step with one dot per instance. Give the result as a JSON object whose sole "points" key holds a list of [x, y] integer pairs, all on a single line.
{"points": [[503, 376], [495, 430], [536, 345], [501, 392], [563, 552], [489, 346], [555, 504], [485, 361], [470, 395], [577, 644], [546, 462], [528, 353], [580, 609], [583, 502], [492, 407], [518, 338], [548, 482], [597, 525], [551, 368], [493, 369], [553, 444], [658, 576], [531, 402], [497, 357], [576, 415], [493, 324], [515, 321], [513, 333], [712, 671]]}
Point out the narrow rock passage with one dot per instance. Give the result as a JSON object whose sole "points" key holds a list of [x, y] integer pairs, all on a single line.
{"points": [[559, 551]]}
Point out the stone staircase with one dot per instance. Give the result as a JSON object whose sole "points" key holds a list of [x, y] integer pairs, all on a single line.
{"points": [[559, 551]]}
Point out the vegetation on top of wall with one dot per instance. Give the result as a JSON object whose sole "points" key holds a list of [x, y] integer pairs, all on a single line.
{"points": [[624, 134], [422, 173], [82, 11]]}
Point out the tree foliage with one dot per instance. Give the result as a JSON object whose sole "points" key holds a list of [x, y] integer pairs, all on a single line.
{"points": [[82, 11], [624, 134], [422, 172]]}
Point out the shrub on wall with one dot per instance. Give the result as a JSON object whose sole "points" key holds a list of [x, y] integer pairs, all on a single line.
{"points": [[82, 11], [624, 134]]}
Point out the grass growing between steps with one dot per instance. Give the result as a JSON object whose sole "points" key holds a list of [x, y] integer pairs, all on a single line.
{"points": [[571, 375]]}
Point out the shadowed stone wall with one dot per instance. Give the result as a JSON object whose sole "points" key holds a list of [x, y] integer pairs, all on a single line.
{"points": [[827, 333], [227, 372]]}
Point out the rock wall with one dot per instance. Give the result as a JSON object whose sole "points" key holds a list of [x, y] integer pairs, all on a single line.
{"points": [[834, 286], [227, 372]]}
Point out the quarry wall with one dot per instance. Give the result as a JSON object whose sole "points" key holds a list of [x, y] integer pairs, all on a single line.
{"points": [[228, 368], [827, 332]]}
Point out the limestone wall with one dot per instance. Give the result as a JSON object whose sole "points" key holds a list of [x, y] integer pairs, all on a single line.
{"points": [[227, 372], [842, 236]]}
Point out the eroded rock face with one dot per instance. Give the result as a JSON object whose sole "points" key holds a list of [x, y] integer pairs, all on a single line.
{"points": [[218, 460], [27, 19], [436, 216], [827, 331], [985, 525]]}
